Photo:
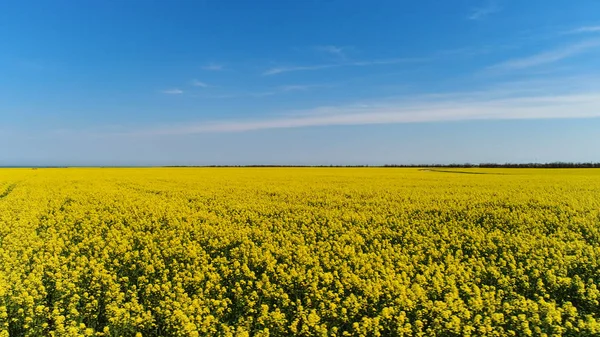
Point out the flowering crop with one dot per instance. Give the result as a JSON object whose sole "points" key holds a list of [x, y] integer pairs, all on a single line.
{"points": [[306, 252]]}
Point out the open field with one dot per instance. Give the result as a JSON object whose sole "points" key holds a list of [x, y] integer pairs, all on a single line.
{"points": [[299, 251]]}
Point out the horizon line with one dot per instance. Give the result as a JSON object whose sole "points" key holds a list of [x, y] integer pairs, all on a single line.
{"points": [[557, 164]]}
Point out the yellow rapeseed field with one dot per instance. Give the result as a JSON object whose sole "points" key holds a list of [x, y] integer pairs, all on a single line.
{"points": [[299, 251]]}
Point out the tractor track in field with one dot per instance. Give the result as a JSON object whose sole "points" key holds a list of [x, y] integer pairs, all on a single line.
{"points": [[7, 191]]}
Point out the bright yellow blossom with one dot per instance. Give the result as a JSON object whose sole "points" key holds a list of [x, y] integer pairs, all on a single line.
{"points": [[311, 252]]}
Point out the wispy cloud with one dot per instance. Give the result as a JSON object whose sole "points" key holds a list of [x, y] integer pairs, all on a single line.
{"points": [[280, 70], [472, 51], [173, 91], [197, 83], [238, 95], [492, 104], [301, 87], [270, 92], [482, 12], [343, 62], [213, 67], [333, 50], [547, 57], [586, 29]]}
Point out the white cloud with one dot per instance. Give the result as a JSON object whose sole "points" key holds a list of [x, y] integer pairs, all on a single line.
{"points": [[271, 92], [587, 29], [256, 94], [173, 91], [213, 67], [334, 50], [466, 51], [280, 70], [547, 57], [300, 87], [197, 83], [481, 12], [503, 103]]}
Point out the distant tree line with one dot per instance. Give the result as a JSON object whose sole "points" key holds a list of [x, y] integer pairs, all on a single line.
{"points": [[465, 165], [509, 165]]}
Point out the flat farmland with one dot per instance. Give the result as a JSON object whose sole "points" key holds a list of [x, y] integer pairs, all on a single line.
{"points": [[299, 251]]}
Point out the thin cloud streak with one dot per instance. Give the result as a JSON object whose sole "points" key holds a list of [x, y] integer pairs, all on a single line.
{"points": [[273, 91], [474, 106], [547, 57], [280, 70], [173, 91], [197, 83], [466, 51], [301, 87], [333, 50], [587, 29], [239, 94], [482, 12], [213, 67]]}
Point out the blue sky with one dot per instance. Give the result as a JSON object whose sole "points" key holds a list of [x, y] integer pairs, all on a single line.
{"points": [[298, 82]]}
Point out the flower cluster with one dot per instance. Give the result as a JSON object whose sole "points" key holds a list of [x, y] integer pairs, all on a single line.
{"points": [[305, 252]]}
